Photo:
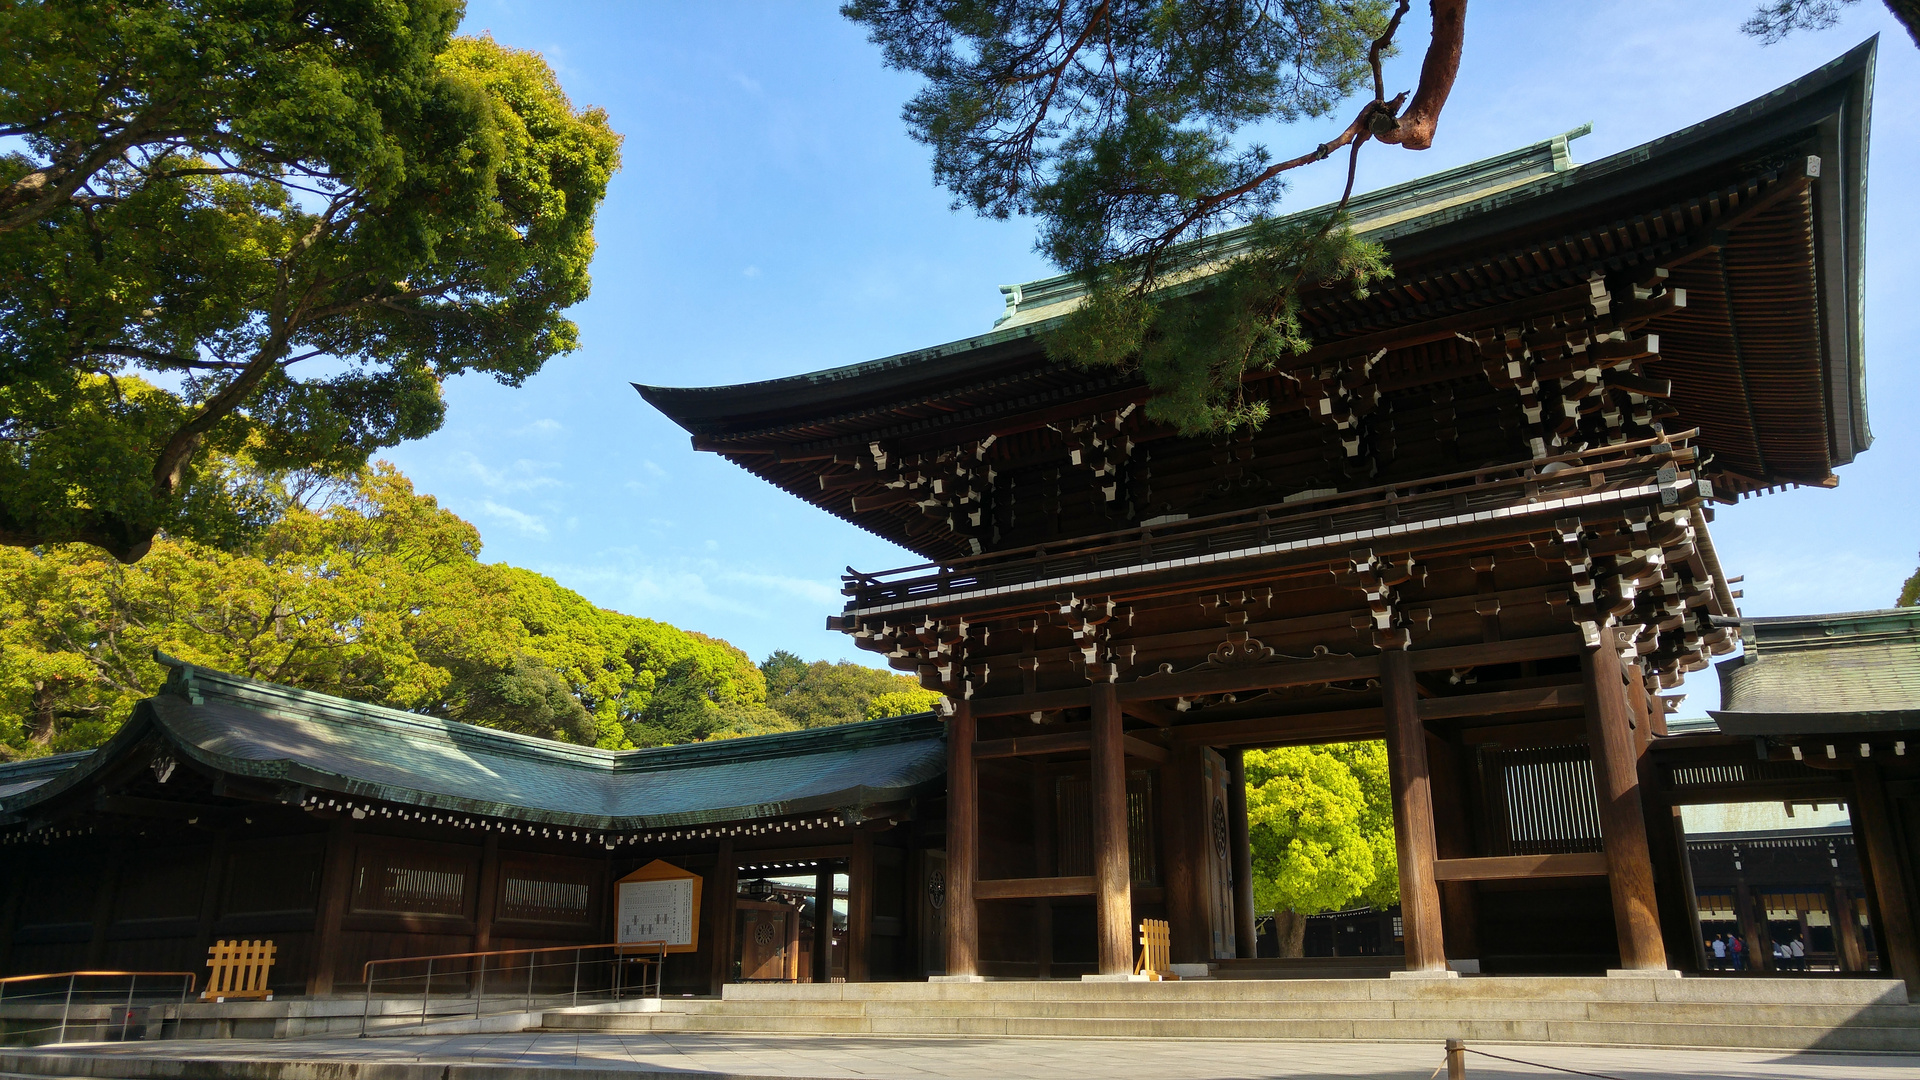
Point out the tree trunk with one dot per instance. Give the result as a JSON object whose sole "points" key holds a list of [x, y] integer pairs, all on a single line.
{"points": [[40, 730], [1290, 932]]}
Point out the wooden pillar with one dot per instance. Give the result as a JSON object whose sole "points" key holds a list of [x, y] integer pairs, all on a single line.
{"points": [[336, 893], [823, 923], [1751, 919], [717, 895], [963, 835], [860, 885], [1623, 826], [1667, 856], [1873, 821], [1112, 875], [1187, 846], [1846, 930], [489, 893], [1045, 864], [1244, 942], [210, 893], [1412, 814]]}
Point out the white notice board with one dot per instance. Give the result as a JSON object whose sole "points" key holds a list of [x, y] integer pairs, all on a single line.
{"points": [[656, 911]]}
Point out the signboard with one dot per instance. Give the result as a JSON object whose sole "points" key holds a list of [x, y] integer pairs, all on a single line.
{"points": [[659, 902]]}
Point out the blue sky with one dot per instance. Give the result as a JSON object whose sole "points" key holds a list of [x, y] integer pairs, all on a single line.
{"points": [[773, 217]]}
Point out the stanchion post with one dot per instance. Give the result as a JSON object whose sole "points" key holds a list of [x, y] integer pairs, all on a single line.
{"points": [[426, 994], [1456, 1059]]}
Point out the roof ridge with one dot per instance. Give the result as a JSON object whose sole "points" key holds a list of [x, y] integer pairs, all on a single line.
{"points": [[196, 684]]}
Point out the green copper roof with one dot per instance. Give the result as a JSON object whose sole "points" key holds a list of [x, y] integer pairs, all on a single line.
{"points": [[1858, 671], [244, 727]]}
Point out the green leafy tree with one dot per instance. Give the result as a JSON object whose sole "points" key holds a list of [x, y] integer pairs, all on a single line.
{"points": [[821, 693], [1118, 123], [367, 590], [902, 703], [1320, 822], [221, 194]]}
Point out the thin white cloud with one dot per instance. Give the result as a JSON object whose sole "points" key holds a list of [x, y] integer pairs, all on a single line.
{"points": [[525, 522], [523, 475]]}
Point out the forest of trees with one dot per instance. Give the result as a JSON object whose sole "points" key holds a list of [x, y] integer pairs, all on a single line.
{"points": [[369, 590]]}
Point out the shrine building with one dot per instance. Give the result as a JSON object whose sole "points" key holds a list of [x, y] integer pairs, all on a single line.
{"points": [[1478, 526]]}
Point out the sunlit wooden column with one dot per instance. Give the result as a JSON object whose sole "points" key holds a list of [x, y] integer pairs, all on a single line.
{"points": [[963, 834], [1412, 813], [1846, 930], [1112, 876], [1244, 942], [1623, 826], [484, 904], [1873, 825]]}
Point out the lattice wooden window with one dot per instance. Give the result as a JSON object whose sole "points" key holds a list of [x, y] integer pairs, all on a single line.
{"points": [[1075, 823], [412, 882], [1540, 800], [547, 893]]}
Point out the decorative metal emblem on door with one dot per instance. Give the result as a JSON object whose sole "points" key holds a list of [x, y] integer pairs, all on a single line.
{"points": [[937, 889], [1220, 842]]}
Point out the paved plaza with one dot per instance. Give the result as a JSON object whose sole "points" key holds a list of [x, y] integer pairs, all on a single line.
{"points": [[792, 1057]]}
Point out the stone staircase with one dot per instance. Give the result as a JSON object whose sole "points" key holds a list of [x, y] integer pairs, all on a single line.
{"points": [[1732, 1013]]}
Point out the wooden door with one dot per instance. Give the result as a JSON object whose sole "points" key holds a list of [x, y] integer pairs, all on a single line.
{"points": [[769, 941], [1218, 863]]}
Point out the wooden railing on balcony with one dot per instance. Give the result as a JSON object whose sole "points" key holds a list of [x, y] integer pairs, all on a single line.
{"points": [[1665, 462]]}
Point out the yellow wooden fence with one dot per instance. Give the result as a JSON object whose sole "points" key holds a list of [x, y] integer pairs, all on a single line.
{"points": [[239, 971], [1155, 946]]}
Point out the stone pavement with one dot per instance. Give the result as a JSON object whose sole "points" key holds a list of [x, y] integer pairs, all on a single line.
{"points": [[536, 1056]]}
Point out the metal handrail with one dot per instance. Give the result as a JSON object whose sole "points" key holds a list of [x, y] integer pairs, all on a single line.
{"points": [[1299, 508], [651, 953], [189, 980]]}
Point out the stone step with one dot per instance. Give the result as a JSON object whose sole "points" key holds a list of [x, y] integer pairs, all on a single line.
{"points": [[1491, 989], [1454, 1010], [1592, 1032]]}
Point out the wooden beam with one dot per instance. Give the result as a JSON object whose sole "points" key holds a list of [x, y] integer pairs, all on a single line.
{"points": [[1244, 680], [1513, 867], [1022, 704], [1032, 745], [1137, 747], [1026, 888], [1151, 712], [1342, 726], [1532, 699], [1514, 651]]}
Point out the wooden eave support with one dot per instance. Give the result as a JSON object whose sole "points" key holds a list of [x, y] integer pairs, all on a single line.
{"points": [[1299, 729], [1517, 867]]}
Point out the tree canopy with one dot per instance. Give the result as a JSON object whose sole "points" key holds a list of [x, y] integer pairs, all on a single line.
{"points": [[366, 589], [294, 220], [1320, 820], [1128, 130]]}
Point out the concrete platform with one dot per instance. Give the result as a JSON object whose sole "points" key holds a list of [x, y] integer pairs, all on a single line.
{"points": [[685, 1056], [1799, 1014]]}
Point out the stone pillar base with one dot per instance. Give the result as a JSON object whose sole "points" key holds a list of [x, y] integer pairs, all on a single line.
{"points": [[1115, 978], [1642, 973], [956, 978], [1423, 974]]}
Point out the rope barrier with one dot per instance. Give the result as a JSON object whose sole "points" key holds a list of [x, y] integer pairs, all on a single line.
{"points": [[1535, 1064]]}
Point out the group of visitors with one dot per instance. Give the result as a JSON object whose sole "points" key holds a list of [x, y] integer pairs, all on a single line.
{"points": [[1726, 952]]}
